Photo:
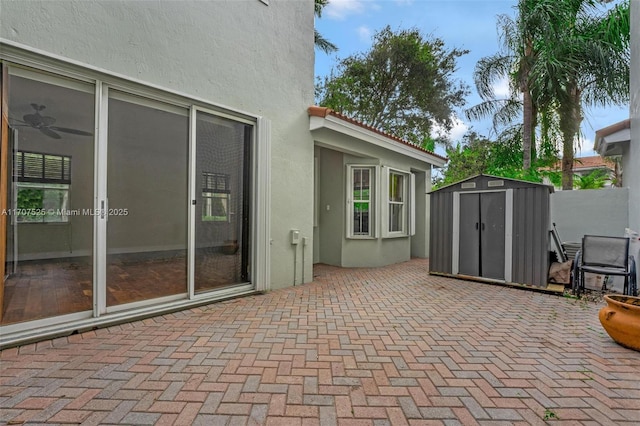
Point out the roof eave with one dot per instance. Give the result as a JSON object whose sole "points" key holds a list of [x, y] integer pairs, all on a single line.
{"points": [[601, 145], [324, 118]]}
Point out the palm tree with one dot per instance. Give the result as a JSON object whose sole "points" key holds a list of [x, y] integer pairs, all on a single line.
{"points": [[584, 58], [322, 43], [514, 62], [556, 55]]}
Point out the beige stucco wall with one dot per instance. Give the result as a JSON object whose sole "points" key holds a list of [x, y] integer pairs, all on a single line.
{"points": [[244, 55]]}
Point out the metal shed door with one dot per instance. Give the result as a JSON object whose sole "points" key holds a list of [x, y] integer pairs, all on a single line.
{"points": [[492, 236], [469, 263], [482, 235]]}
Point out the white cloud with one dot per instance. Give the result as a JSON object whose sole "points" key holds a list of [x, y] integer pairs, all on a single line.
{"points": [[584, 148], [501, 88], [458, 130], [455, 134], [364, 33], [340, 9]]}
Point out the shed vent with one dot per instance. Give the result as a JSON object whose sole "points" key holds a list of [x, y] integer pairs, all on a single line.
{"points": [[493, 183], [468, 185]]}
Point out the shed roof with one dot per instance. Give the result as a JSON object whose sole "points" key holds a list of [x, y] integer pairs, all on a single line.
{"points": [[514, 182]]}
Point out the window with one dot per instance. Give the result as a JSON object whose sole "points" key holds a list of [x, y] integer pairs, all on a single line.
{"points": [[399, 209], [215, 197], [397, 202], [43, 182], [360, 201]]}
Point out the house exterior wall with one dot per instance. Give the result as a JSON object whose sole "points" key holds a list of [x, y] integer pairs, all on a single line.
{"points": [[331, 206], [633, 171], [243, 61], [334, 247], [243, 55], [420, 241]]}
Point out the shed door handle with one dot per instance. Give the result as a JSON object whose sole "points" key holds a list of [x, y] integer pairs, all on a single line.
{"points": [[483, 226], [476, 226]]}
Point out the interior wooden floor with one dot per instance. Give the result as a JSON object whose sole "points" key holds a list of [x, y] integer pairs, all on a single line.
{"points": [[43, 289]]}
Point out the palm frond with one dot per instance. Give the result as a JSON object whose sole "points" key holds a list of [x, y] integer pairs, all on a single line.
{"points": [[323, 44], [490, 70]]}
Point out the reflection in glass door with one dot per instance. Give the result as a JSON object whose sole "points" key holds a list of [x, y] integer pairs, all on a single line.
{"points": [[222, 202], [51, 179], [147, 200]]}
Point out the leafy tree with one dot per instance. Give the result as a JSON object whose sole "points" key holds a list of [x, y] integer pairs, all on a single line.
{"points": [[478, 155], [404, 85], [320, 42], [466, 159]]}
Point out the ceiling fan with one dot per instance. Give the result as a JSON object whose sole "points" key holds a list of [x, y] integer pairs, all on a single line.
{"points": [[45, 124]]}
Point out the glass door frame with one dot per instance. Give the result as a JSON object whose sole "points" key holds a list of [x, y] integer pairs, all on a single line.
{"points": [[101, 207], [16, 57], [195, 208]]}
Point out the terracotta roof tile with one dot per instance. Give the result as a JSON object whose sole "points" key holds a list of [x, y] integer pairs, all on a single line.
{"points": [[316, 111], [582, 163]]}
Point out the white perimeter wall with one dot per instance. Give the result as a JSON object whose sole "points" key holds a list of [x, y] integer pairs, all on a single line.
{"points": [[591, 211], [241, 54]]}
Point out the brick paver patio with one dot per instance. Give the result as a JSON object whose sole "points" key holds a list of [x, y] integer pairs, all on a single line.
{"points": [[356, 347]]}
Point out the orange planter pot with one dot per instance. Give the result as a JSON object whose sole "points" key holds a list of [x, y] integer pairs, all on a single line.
{"points": [[621, 320]]}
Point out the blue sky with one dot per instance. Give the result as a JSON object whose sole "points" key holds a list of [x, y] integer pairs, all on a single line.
{"points": [[465, 24]]}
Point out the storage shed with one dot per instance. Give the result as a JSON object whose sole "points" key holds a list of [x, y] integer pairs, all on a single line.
{"points": [[491, 229]]}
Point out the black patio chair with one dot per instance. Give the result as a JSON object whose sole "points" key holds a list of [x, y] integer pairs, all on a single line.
{"points": [[606, 256]]}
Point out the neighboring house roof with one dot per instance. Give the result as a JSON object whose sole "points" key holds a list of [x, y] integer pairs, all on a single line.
{"points": [[585, 164], [374, 135], [592, 163], [610, 140]]}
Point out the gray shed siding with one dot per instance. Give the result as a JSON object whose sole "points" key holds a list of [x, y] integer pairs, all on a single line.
{"points": [[530, 262], [530, 227], [441, 230]]}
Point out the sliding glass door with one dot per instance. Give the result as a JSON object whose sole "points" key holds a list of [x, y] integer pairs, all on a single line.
{"points": [[49, 244], [118, 201], [222, 184], [148, 144]]}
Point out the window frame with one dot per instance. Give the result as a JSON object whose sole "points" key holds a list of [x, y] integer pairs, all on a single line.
{"points": [[372, 201], [216, 192], [397, 198], [44, 180], [407, 203]]}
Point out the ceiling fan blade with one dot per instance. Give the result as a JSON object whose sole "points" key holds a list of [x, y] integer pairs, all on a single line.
{"points": [[50, 133], [72, 131], [47, 121]]}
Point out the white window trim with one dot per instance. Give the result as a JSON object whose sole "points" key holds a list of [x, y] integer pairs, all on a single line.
{"points": [[373, 204], [408, 227]]}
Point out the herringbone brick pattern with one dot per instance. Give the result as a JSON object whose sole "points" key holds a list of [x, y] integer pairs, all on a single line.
{"points": [[378, 346]]}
